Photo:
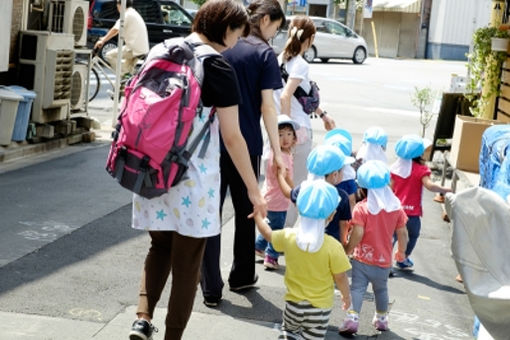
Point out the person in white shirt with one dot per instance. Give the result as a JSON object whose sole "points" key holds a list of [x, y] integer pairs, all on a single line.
{"points": [[136, 40], [301, 35]]}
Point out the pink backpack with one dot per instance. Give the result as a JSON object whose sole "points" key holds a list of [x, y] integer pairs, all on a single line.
{"points": [[150, 149]]}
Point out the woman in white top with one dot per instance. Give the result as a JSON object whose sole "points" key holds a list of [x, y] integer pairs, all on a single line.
{"points": [[301, 34]]}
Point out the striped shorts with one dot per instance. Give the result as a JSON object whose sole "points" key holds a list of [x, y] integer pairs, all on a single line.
{"points": [[301, 320]]}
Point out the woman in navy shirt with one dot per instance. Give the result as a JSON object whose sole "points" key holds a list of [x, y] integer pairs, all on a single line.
{"points": [[256, 67]]}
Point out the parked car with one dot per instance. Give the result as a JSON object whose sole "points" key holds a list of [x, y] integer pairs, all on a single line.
{"points": [[332, 40], [164, 19], [192, 11]]}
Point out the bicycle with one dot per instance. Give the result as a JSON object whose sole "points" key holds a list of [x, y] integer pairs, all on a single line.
{"points": [[99, 66]]}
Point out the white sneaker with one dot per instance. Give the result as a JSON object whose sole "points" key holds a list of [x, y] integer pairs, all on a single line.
{"points": [[380, 321]]}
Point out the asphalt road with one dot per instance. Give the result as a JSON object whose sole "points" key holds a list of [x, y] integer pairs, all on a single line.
{"points": [[66, 248]]}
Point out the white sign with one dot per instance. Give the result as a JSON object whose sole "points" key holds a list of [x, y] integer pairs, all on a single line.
{"points": [[367, 9]]}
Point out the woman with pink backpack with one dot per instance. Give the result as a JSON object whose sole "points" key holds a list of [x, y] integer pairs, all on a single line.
{"points": [[180, 221]]}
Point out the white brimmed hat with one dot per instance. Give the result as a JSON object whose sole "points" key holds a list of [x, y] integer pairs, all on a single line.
{"points": [[284, 119]]}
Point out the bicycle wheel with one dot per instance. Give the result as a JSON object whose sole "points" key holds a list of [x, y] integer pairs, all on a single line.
{"points": [[94, 84]]}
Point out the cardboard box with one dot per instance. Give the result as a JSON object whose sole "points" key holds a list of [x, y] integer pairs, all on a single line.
{"points": [[466, 142]]}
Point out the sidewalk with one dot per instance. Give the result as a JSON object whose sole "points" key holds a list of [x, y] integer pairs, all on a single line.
{"points": [[421, 306], [224, 327]]}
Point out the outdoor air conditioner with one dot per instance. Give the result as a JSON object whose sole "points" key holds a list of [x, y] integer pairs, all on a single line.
{"points": [[45, 65], [78, 86], [69, 16]]}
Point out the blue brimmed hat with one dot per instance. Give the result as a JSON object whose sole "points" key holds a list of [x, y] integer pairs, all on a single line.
{"points": [[373, 175], [340, 138], [340, 142], [338, 131], [376, 135], [284, 119], [410, 146], [317, 200], [324, 159]]}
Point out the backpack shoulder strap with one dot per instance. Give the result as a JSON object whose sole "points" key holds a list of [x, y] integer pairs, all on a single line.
{"points": [[201, 49], [283, 72]]}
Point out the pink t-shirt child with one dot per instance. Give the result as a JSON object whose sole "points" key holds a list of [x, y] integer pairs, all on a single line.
{"points": [[409, 190], [375, 248], [273, 195]]}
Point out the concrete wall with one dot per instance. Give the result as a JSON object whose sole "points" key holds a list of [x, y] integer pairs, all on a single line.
{"points": [[397, 34], [408, 39]]}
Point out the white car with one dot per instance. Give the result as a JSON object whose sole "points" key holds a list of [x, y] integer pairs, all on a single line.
{"points": [[332, 40]]}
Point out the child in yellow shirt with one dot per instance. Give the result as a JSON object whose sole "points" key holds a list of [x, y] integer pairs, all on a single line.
{"points": [[314, 261]]}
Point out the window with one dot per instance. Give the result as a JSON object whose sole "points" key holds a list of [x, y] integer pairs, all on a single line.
{"points": [[174, 16], [149, 10], [108, 10], [336, 28]]}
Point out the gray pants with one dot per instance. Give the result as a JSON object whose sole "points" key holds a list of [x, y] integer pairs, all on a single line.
{"points": [[362, 275], [301, 153]]}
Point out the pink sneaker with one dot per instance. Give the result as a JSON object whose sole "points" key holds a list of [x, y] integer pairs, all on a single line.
{"points": [[350, 324], [259, 253], [270, 262], [380, 322]]}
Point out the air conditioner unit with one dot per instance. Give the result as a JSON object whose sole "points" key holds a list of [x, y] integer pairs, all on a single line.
{"points": [[45, 65], [78, 87], [69, 16]]}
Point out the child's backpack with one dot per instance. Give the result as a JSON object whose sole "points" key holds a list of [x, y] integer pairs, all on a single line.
{"points": [[150, 149], [309, 101], [495, 159]]}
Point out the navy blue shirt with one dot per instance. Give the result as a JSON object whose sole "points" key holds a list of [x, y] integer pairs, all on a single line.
{"points": [[349, 186], [343, 211], [256, 67]]}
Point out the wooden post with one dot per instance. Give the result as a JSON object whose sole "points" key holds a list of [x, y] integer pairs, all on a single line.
{"points": [[492, 77], [376, 49]]}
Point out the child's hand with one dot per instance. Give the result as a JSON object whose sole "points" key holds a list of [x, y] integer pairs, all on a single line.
{"points": [[281, 172], [346, 302], [400, 256], [258, 218], [279, 164], [329, 123]]}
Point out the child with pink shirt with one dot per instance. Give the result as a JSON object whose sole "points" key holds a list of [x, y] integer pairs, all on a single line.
{"points": [[374, 220], [277, 203]]}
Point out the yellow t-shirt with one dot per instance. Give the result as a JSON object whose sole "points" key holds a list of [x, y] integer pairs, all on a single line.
{"points": [[309, 276]]}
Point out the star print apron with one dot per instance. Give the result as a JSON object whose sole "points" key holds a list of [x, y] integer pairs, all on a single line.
{"points": [[192, 207]]}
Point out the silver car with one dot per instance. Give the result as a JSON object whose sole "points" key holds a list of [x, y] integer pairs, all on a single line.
{"points": [[333, 40]]}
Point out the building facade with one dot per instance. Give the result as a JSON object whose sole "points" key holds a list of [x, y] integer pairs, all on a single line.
{"points": [[452, 25]]}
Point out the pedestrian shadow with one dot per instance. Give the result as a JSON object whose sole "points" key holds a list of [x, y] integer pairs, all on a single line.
{"points": [[389, 334], [280, 271], [426, 281], [258, 308]]}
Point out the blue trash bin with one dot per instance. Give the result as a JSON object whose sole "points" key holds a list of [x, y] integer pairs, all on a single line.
{"points": [[19, 133]]}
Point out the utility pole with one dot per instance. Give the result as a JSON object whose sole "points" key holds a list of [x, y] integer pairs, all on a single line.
{"points": [[351, 13]]}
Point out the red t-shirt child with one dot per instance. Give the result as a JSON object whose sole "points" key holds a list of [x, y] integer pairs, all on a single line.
{"points": [[409, 190], [375, 248]]}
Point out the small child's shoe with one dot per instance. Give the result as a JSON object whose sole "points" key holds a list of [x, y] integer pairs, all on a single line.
{"points": [[270, 262], [407, 264], [259, 253], [380, 321], [350, 324]]}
